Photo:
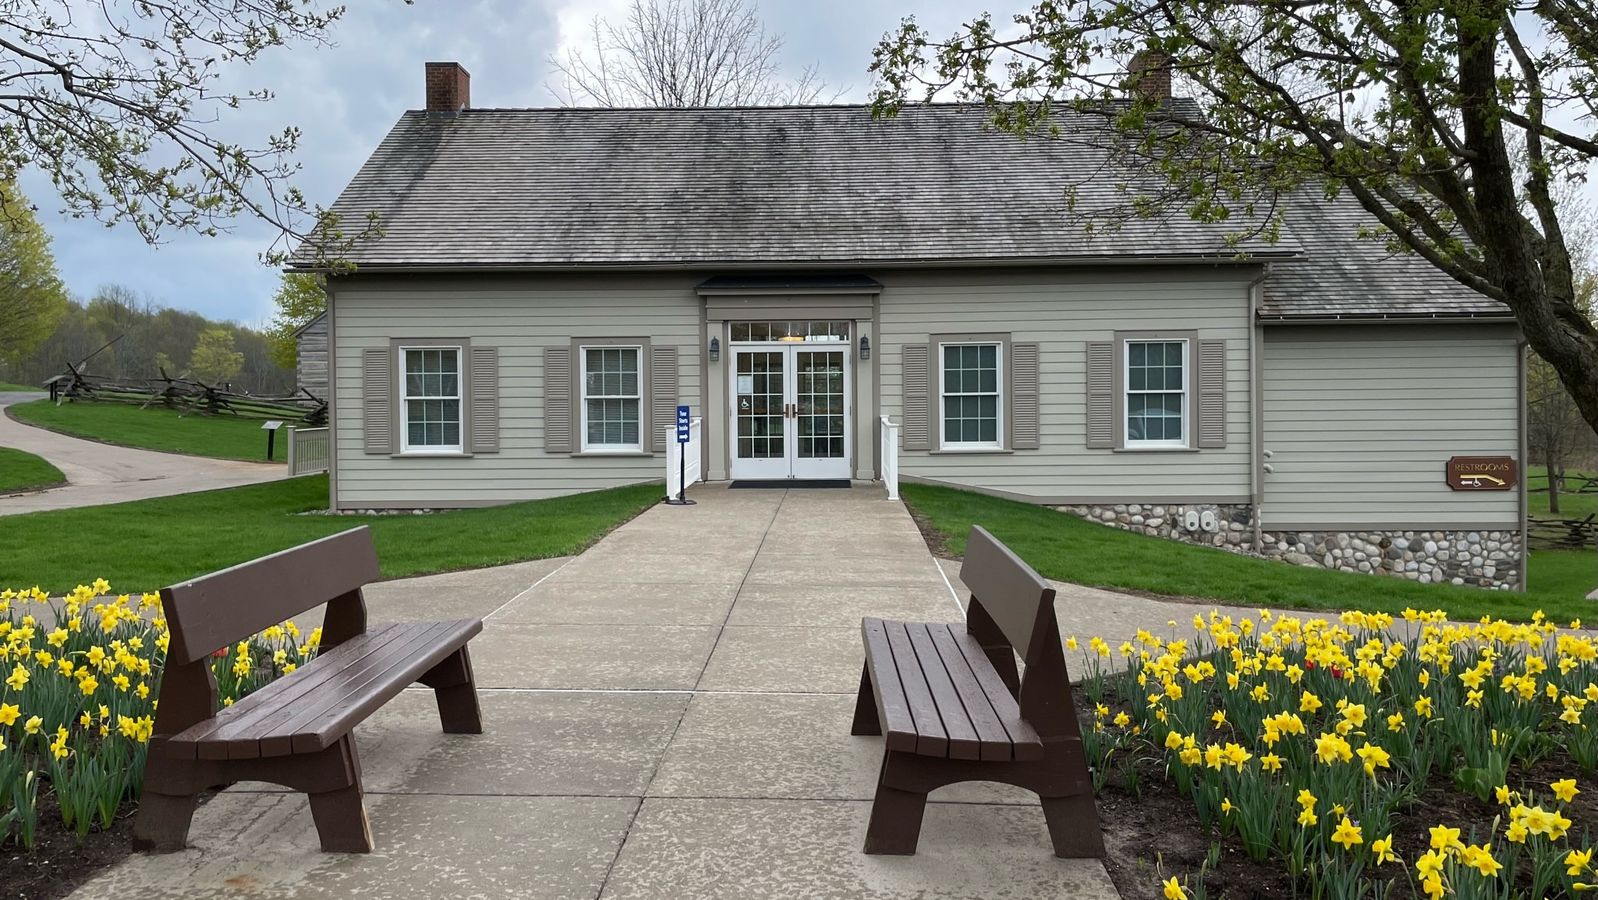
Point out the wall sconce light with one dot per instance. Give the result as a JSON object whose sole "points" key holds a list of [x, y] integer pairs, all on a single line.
{"points": [[865, 348], [715, 349]]}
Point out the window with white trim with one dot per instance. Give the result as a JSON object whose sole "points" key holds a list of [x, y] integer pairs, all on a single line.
{"points": [[1156, 393], [430, 400], [971, 400], [612, 398]]}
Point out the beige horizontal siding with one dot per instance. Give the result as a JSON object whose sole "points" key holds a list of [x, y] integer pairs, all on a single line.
{"points": [[1361, 420], [1062, 310], [520, 316]]}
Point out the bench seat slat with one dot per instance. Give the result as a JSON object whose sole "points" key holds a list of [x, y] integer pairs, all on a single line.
{"points": [[931, 740], [964, 743], [277, 740], [995, 740], [898, 726], [1026, 743], [357, 706], [371, 665], [249, 714]]}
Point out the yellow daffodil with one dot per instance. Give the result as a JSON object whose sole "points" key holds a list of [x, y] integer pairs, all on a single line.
{"points": [[1173, 890], [1347, 835], [1382, 850], [1481, 859], [1565, 789]]}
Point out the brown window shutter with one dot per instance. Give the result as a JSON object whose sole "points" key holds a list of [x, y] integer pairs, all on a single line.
{"points": [[1024, 396], [1101, 423], [662, 396], [377, 401], [557, 400], [916, 432], [484, 380], [1211, 394]]}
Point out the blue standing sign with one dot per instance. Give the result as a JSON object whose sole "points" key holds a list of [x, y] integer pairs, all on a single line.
{"points": [[684, 425]]}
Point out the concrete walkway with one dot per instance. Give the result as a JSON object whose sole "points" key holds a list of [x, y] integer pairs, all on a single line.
{"points": [[667, 716], [101, 473]]}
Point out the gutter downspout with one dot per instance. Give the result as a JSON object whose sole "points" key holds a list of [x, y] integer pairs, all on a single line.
{"points": [[1521, 352], [1256, 401]]}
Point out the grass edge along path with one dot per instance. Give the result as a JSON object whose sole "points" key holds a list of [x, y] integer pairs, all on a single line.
{"points": [[23, 471], [1063, 547], [10, 387], [148, 544], [158, 428]]}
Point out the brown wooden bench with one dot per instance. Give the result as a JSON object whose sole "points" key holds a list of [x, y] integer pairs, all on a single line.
{"points": [[953, 708], [296, 731]]}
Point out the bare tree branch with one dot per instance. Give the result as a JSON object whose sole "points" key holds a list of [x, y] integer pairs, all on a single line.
{"points": [[682, 53]]}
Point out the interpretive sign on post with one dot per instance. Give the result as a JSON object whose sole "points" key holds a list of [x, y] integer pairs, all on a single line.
{"points": [[270, 426]]}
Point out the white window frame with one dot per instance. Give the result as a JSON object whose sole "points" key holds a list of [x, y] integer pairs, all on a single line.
{"points": [[998, 396], [406, 447], [1126, 394], [583, 397]]}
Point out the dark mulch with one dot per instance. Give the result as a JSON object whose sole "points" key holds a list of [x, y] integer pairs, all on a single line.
{"points": [[59, 862]]}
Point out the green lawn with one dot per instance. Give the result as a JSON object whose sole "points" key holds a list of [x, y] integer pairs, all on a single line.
{"points": [[148, 544], [1065, 548], [157, 428], [7, 387], [1571, 506], [21, 471]]}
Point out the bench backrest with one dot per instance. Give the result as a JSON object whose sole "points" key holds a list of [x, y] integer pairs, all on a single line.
{"points": [[214, 611], [1012, 611]]}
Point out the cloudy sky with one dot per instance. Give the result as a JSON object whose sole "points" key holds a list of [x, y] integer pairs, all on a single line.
{"points": [[345, 98]]}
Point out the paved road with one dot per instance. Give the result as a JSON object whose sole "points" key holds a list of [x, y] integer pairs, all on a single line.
{"points": [[100, 473]]}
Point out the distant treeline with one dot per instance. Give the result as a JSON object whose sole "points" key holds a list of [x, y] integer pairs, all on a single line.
{"points": [[152, 335]]}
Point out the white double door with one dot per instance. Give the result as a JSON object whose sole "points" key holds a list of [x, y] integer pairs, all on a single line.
{"points": [[790, 411]]}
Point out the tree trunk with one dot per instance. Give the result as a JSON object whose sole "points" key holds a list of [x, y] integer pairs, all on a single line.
{"points": [[1555, 477]]}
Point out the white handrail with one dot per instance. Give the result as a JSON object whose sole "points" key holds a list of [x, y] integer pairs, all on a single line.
{"points": [[675, 450], [307, 450], [890, 458]]}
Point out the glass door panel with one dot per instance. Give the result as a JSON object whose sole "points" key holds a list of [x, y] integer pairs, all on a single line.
{"points": [[760, 425], [820, 413]]}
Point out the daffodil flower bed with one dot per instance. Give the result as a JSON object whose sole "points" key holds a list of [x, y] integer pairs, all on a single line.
{"points": [[1304, 742], [78, 702]]}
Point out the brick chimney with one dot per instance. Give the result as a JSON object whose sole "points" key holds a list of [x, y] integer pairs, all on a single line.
{"points": [[449, 88], [1150, 74]]}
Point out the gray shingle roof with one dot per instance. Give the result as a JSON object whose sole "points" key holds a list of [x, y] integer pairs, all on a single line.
{"points": [[1345, 275], [823, 185]]}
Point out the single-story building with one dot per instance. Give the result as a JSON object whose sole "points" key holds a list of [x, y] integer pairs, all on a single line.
{"points": [[550, 283]]}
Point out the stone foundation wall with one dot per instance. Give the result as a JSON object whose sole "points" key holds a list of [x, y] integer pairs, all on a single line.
{"points": [[1489, 559]]}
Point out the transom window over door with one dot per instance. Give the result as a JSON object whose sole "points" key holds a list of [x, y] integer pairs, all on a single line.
{"points": [[612, 398], [431, 400], [971, 400], [1156, 393]]}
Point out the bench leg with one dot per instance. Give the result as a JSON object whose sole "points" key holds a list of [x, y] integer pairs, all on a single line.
{"points": [[456, 692], [895, 826], [1074, 826], [865, 706], [162, 825], [340, 814]]}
